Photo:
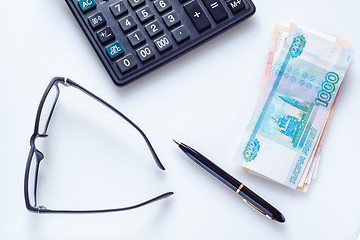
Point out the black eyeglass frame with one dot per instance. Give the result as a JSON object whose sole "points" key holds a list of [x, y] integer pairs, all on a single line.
{"points": [[39, 156]]}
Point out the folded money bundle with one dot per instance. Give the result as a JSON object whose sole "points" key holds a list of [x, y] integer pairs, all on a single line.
{"points": [[304, 73]]}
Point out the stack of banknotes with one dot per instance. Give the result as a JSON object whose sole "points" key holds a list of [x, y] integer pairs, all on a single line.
{"points": [[304, 73]]}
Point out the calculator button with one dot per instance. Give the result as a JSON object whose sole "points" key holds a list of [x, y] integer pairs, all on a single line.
{"points": [[171, 19], [162, 5], [197, 16], [114, 50], [118, 9], [86, 5], [145, 14], [180, 34], [105, 35], [136, 3], [97, 20], [145, 53], [154, 28], [136, 38], [163, 43], [126, 63], [127, 23], [216, 9], [236, 5]]}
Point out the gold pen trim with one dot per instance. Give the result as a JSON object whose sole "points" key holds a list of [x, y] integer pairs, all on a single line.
{"points": [[261, 212], [240, 187]]}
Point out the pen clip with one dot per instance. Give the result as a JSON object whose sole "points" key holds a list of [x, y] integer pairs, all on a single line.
{"points": [[257, 209]]}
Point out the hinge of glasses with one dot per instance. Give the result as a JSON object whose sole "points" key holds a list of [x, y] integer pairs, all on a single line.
{"points": [[65, 83], [41, 207]]}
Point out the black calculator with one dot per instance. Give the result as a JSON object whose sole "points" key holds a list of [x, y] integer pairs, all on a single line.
{"points": [[135, 37]]}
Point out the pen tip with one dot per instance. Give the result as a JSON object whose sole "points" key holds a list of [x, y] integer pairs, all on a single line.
{"points": [[178, 143], [279, 217], [282, 218]]}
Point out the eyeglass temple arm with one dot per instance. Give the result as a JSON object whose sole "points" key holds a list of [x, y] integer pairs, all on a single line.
{"points": [[74, 84], [41, 209]]}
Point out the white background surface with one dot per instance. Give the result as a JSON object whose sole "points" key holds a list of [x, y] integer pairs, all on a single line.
{"points": [[204, 99]]}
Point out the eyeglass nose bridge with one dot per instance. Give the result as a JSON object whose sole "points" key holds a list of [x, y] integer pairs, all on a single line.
{"points": [[42, 135], [38, 154]]}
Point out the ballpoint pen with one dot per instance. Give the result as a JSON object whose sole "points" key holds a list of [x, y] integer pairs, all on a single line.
{"points": [[249, 196]]}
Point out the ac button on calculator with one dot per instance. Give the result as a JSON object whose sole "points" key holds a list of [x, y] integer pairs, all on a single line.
{"points": [[134, 37]]}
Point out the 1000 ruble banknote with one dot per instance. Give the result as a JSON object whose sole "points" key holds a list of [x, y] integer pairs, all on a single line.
{"points": [[304, 73]]}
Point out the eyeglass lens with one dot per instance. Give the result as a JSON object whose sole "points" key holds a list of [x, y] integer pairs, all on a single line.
{"points": [[43, 124]]}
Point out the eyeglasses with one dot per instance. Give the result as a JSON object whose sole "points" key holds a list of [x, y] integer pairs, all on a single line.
{"points": [[43, 117]]}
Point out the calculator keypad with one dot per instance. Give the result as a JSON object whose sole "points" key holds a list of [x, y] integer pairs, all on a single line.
{"points": [[133, 37]]}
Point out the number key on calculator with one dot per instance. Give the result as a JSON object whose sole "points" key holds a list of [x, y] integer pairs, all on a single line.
{"points": [[135, 37]]}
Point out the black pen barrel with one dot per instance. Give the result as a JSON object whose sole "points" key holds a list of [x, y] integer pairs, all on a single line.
{"points": [[210, 167], [249, 196]]}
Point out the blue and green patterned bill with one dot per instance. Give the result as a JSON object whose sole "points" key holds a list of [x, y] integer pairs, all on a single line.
{"points": [[294, 107]]}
